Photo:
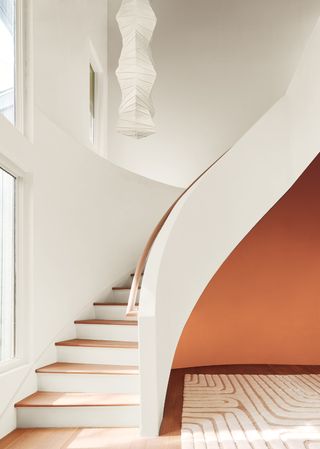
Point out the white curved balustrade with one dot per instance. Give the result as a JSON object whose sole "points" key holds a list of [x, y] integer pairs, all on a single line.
{"points": [[214, 216]]}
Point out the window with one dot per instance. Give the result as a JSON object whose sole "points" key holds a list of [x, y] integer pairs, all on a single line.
{"points": [[97, 93], [7, 59], [7, 266], [93, 106]]}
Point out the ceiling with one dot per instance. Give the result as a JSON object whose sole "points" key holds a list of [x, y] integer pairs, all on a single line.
{"points": [[221, 64]]}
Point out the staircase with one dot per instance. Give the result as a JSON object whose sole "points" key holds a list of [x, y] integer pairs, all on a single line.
{"points": [[95, 381]]}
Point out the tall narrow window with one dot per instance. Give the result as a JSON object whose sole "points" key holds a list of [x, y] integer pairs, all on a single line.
{"points": [[92, 104], [7, 266], [7, 58]]}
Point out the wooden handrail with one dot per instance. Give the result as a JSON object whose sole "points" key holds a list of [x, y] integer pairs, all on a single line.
{"points": [[132, 308]]}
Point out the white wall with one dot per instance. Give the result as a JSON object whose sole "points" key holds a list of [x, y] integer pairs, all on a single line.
{"points": [[221, 65], [84, 220], [216, 215], [89, 222], [64, 33]]}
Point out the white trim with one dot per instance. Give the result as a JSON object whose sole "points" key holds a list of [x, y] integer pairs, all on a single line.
{"points": [[23, 83], [8, 268], [23, 268], [19, 66], [100, 86], [23, 76]]}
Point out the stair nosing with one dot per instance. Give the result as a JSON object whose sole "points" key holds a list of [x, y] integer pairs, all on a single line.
{"points": [[108, 322], [116, 370], [121, 344], [24, 402]]}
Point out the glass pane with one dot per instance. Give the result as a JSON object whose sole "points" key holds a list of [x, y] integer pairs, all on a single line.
{"points": [[7, 59], [92, 102], [92, 90], [7, 266]]}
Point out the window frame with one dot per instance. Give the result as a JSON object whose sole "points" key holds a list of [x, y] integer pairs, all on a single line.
{"points": [[12, 305], [23, 69], [93, 104], [94, 62], [19, 66], [22, 266]]}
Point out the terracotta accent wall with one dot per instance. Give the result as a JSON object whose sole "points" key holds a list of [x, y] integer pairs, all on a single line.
{"points": [[263, 305]]}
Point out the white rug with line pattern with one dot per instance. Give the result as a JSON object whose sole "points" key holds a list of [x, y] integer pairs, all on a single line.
{"points": [[251, 411]]}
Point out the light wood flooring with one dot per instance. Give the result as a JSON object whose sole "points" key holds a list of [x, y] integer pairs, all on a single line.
{"points": [[128, 438]]}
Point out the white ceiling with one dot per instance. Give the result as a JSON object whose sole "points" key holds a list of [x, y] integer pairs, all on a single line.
{"points": [[221, 64]]}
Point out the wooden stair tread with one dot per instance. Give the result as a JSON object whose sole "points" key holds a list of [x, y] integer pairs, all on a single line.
{"points": [[109, 322], [98, 343], [87, 368], [53, 399], [120, 304]]}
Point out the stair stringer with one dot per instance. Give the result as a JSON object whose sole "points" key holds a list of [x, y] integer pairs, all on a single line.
{"points": [[204, 228]]}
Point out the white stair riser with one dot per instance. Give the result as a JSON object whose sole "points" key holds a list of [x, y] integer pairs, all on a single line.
{"points": [[107, 332], [110, 356], [112, 416], [89, 383], [110, 312], [122, 295]]}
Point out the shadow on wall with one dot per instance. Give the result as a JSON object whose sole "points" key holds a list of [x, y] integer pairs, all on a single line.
{"points": [[263, 305]]}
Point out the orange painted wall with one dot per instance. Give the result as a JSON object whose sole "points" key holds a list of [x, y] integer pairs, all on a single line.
{"points": [[263, 305]]}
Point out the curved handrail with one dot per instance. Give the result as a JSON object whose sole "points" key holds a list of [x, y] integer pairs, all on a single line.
{"points": [[131, 308]]}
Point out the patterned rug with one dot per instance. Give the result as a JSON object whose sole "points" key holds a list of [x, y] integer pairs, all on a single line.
{"points": [[251, 412]]}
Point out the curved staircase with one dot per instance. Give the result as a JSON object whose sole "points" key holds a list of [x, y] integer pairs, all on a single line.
{"points": [[95, 381]]}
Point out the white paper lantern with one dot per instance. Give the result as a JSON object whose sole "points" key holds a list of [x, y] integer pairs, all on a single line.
{"points": [[135, 73]]}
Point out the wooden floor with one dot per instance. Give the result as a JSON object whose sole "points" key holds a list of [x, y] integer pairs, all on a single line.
{"points": [[171, 424], [128, 438]]}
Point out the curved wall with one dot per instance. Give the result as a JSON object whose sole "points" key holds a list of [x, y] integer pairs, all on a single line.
{"points": [[83, 234], [213, 218], [262, 306], [85, 220]]}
